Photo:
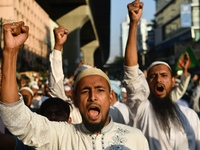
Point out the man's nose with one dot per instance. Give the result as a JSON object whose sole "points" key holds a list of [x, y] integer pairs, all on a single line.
{"points": [[158, 78], [92, 96]]}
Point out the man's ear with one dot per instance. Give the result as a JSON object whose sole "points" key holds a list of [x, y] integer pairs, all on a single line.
{"points": [[112, 94], [173, 81]]}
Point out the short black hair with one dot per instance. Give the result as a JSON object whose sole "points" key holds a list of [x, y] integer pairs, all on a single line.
{"points": [[61, 104]]}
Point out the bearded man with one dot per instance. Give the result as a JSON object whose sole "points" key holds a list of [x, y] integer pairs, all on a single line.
{"points": [[166, 125]]}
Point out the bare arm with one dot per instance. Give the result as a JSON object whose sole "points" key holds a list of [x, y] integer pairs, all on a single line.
{"points": [[14, 37], [135, 13], [134, 80], [185, 64]]}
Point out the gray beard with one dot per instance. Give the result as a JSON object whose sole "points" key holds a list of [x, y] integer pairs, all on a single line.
{"points": [[165, 111]]}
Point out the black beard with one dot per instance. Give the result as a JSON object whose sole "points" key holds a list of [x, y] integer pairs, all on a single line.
{"points": [[94, 127], [165, 111]]}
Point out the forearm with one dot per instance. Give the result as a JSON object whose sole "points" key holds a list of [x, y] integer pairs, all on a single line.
{"points": [[131, 58], [22, 122], [185, 72], [136, 85], [9, 87]]}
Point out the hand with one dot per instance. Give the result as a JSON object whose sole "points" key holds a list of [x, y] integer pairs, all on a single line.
{"points": [[60, 35], [185, 62], [195, 77], [135, 11], [15, 34]]}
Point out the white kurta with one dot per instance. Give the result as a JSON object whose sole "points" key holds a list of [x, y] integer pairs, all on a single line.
{"points": [[143, 117], [56, 86], [37, 131]]}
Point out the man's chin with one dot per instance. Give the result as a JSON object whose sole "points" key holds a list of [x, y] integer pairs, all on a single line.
{"points": [[95, 125], [161, 97], [158, 96]]}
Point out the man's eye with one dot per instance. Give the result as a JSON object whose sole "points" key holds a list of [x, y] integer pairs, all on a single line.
{"points": [[164, 75], [84, 92], [152, 76], [100, 90]]}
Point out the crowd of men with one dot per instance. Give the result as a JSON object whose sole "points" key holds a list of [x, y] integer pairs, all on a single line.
{"points": [[94, 114]]}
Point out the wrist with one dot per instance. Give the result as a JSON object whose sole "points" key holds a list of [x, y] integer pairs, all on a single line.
{"points": [[133, 23], [13, 52], [58, 47]]}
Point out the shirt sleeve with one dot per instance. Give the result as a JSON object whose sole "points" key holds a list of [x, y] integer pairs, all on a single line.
{"points": [[179, 91], [194, 100], [137, 90], [31, 128], [56, 75]]}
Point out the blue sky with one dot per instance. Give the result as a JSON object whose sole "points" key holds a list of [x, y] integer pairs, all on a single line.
{"points": [[118, 14]]}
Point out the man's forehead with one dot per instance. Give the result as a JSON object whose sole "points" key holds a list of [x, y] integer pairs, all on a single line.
{"points": [[158, 63], [159, 68], [94, 79], [90, 72]]}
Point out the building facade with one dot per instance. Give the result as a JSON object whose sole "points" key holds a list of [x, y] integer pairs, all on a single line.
{"points": [[33, 55], [177, 27], [142, 37]]}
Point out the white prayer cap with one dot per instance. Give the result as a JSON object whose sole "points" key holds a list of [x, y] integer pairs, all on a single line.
{"points": [[158, 63], [35, 86], [89, 71], [34, 74], [47, 82], [67, 88], [116, 88], [123, 89], [27, 88], [66, 80]]}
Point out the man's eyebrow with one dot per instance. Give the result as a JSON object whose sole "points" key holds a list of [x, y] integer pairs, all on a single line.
{"points": [[99, 86], [88, 87]]}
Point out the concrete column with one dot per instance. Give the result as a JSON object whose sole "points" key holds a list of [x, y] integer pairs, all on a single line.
{"points": [[73, 21], [88, 52]]}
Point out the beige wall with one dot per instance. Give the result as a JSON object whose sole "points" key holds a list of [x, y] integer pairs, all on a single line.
{"points": [[33, 16]]}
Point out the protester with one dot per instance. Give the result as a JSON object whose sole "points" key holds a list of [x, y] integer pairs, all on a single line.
{"points": [[56, 75], [192, 84], [37, 96], [92, 96], [124, 94], [179, 90], [24, 80], [195, 98], [166, 125], [41, 85], [27, 94], [118, 110], [68, 91], [55, 109]]}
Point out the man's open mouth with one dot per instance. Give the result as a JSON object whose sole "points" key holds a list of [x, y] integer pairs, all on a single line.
{"points": [[159, 89], [93, 112]]}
